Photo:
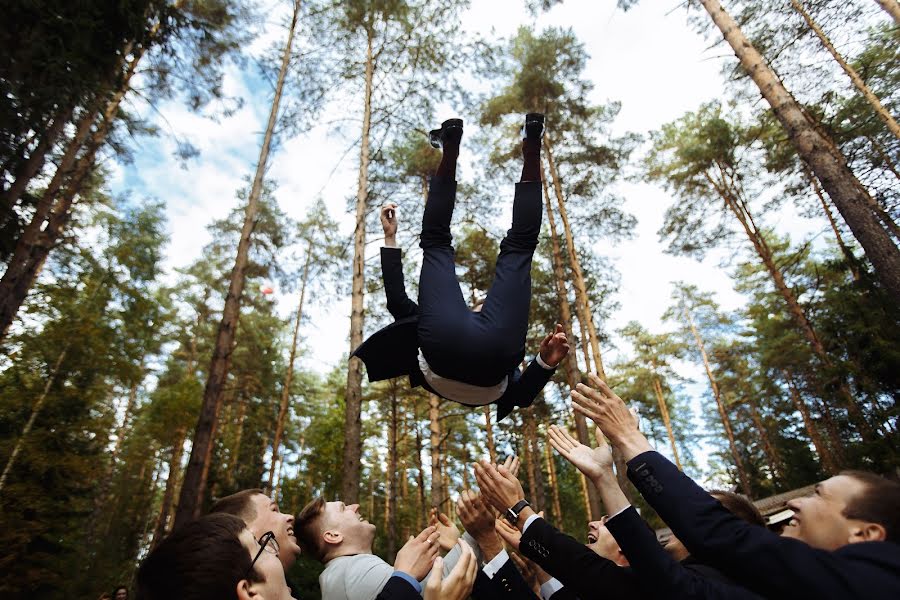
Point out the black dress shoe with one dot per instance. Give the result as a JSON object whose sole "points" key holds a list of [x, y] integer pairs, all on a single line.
{"points": [[451, 129], [533, 129]]}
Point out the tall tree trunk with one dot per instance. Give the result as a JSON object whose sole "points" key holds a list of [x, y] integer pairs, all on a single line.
{"points": [[582, 304], [554, 484], [235, 454], [390, 512], [289, 376], [193, 488], [592, 506], [773, 457], [664, 411], [740, 210], [829, 460], [35, 411], [31, 166], [858, 82], [489, 432], [819, 152], [743, 478], [162, 520], [420, 474], [533, 459], [434, 429], [852, 261], [892, 7], [352, 424]]}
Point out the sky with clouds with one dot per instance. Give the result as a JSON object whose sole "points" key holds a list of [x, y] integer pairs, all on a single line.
{"points": [[648, 59]]}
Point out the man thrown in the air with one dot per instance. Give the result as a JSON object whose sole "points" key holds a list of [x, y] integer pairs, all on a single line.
{"points": [[470, 356]]}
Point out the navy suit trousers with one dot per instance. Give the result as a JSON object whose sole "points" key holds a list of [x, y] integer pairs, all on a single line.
{"points": [[476, 348]]}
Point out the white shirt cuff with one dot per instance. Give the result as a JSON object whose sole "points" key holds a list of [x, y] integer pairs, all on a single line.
{"points": [[618, 512], [496, 564], [540, 361], [529, 521], [550, 588]]}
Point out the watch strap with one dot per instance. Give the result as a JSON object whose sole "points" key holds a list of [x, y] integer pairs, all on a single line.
{"points": [[512, 513]]}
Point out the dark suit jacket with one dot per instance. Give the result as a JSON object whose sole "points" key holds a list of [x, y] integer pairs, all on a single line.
{"points": [[754, 557], [397, 588], [507, 583], [660, 574], [393, 351], [583, 572]]}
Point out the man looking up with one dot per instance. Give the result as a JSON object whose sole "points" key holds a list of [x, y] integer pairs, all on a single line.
{"points": [[844, 540], [261, 514]]}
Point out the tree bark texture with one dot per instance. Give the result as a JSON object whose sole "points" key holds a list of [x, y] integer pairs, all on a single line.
{"points": [[819, 152], [434, 445], [390, 512], [353, 396], [193, 487], [772, 455], [593, 506], [892, 7], [664, 411], [162, 520]]}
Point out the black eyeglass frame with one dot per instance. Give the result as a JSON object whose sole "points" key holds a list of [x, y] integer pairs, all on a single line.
{"points": [[264, 541]]}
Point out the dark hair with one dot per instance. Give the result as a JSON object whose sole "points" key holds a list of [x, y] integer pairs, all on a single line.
{"points": [[307, 530], [740, 506], [203, 560], [879, 503], [119, 587], [238, 504]]}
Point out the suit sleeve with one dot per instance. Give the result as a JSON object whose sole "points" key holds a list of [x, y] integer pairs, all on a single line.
{"points": [[584, 573], [660, 574], [523, 387], [398, 303], [506, 584], [398, 588], [742, 551]]}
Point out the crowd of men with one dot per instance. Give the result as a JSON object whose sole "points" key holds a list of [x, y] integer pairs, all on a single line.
{"points": [[843, 541]]}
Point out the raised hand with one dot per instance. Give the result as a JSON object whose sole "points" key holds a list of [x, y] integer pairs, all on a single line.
{"points": [[460, 580], [478, 520], [529, 571], [389, 221], [601, 405], [448, 531], [512, 464], [508, 533], [499, 486], [554, 347], [417, 555], [593, 462]]}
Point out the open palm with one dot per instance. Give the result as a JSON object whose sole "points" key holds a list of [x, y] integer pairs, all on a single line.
{"points": [[593, 462]]}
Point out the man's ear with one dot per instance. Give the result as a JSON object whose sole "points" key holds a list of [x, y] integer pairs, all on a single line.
{"points": [[868, 532], [333, 536], [245, 591]]}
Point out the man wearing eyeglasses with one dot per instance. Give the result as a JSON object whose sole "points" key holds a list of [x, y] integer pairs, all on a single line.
{"points": [[261, 514]]}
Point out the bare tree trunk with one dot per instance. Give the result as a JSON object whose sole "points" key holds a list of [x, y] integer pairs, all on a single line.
{"points": [[35, 161], [592, 497], [554, 484], [35, 411], [852, 261], [858, 82], [819, 152], [772, 455], [420, 476], [828, 459], [434, 428], [489, 431], [739, 207], [352, 424], [390, 512], [664, 411], [235, 454], [193, 488], [289, 376], [743, 478], [892, 7], [159, 531]]}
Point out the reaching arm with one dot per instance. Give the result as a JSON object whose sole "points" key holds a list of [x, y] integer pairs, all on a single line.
{"points": [[398, 303]]}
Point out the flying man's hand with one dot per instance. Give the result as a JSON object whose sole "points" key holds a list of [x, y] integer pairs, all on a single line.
{"points": [[554, 347]]}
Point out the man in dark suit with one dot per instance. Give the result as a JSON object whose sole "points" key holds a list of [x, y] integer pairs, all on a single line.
{"points": [[441, 343], [843, 542]]}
